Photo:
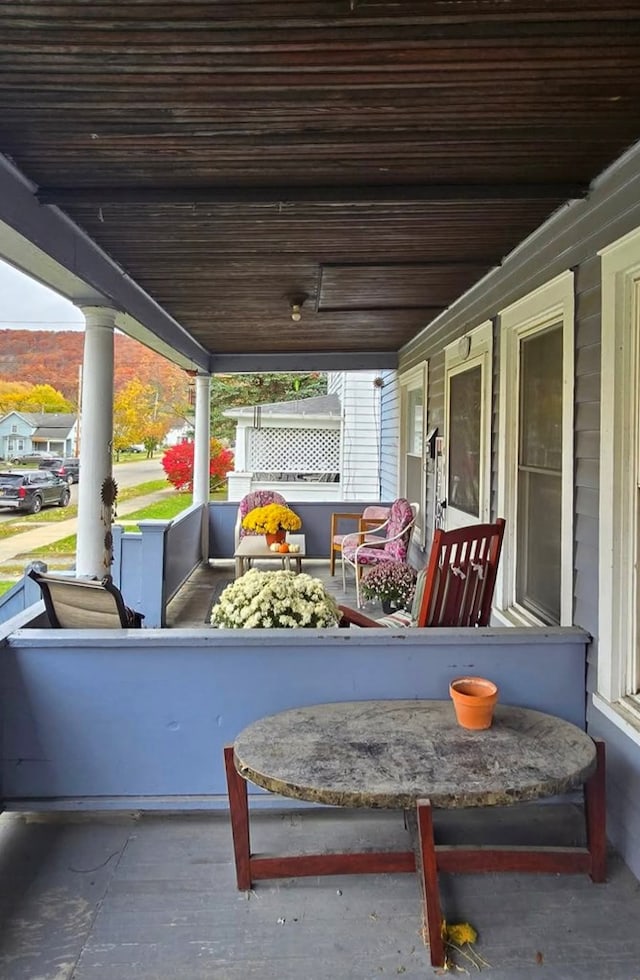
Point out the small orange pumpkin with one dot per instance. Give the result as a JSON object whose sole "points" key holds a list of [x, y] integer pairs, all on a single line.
{"points": [[284, 548]]}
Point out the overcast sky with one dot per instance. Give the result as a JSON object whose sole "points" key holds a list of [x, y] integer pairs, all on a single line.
{"points": [[28, 305]]}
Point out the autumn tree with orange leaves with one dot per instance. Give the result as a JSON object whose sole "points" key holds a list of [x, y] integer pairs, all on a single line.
{"points": [[19, 396]]}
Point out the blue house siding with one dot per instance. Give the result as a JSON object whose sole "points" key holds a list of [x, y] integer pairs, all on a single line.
{"points": [[570, 240], [14, 442], [623, 787], [36, 432]]}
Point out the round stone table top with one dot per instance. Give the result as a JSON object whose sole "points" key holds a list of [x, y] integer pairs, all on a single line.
{"points": [[388, 754]]}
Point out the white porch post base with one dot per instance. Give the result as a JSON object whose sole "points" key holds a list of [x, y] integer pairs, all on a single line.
{"points": [[238, 485], [95, 438]]}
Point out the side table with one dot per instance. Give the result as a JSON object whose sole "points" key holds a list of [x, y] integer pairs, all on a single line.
{"points": [[253, 546], [413, 755]]}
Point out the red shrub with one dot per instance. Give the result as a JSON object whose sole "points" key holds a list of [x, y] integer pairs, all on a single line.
{"points": [[177, 463]]}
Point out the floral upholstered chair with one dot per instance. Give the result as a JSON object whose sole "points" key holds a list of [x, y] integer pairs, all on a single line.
{"points": [[257, 498], [369, 522], [393, 546]]}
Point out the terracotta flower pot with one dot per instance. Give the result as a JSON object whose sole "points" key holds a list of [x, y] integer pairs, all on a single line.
{"points": [[474, 699], [276, 538]]}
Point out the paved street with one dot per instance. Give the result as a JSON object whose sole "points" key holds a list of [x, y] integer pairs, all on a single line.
{"points": [[125, 474], [128, 474]]}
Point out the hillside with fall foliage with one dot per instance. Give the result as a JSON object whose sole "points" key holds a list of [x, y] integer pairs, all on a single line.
{"points": [[53, 357], [40, 372]]}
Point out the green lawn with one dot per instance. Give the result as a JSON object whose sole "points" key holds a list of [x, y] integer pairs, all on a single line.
{"points": [[151, 486], [53, 515], [60, 553], [166, 510], [163, 510]]}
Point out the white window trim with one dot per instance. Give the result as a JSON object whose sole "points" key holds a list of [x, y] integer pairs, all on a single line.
{"points": [[532, 314], [619, 459], [415, 377], [473, 349]]}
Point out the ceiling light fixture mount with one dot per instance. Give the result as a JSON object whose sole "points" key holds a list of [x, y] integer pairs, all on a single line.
{"points": [[295, 304]]}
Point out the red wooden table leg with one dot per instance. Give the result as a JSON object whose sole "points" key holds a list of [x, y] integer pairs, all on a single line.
{"points": [[428, 869], [239, 812], [596, 810]]}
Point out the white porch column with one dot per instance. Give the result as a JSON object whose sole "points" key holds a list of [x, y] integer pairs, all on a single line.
{"points": [[95, 438], [202, 440]]}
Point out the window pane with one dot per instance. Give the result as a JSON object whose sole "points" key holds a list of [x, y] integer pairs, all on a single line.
{"points": [[414, 421], [412, 471], [538, 567], [541, 401], [464, 440], [413, 489], [539, 475]]}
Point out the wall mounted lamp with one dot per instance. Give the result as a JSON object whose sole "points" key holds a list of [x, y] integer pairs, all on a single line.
{"points": [[464, 347]]}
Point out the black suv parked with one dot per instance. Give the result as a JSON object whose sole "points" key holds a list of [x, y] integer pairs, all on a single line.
{"points": [[32, 490], [68, 468]]}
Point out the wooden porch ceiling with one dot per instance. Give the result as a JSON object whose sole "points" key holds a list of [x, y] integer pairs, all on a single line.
{"points": [[376, 158]]}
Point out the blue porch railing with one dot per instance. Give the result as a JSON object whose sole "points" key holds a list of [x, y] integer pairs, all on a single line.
{"points": [[151, 565], [139, 718]]}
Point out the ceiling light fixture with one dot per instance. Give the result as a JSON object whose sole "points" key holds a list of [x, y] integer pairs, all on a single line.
{"points": [[296, 304]]}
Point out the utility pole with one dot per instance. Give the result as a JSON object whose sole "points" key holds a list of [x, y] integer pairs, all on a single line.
{"points": [[77, 452]]}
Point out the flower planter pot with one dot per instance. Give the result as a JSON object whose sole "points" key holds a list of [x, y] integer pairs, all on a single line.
{"points": [[474, 699], [277, 538]]}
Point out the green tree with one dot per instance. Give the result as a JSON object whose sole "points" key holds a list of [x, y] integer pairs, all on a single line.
{"points": [[139, 416], [236, 390]]}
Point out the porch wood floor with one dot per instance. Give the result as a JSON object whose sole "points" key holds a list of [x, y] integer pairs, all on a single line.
{"points": [[141, 896], [190, 606], [153, 897]]}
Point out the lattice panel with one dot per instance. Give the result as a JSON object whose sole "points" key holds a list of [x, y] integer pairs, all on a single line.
{"points": [[294, 450]]}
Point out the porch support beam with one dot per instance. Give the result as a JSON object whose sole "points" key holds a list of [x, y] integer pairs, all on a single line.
{"points": [[304, 361], [96, 437], [318, 194]]}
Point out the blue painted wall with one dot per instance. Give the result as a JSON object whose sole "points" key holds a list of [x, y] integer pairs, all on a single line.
{"points": [[315, 516], [146, 714]]}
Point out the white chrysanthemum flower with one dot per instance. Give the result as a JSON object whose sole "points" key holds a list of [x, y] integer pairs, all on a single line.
{"points": [[263, 600]]}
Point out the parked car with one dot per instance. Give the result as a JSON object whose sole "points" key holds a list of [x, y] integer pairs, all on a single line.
{"points": [[31, 491], [49, 462], [34, 457], [67, 467]]}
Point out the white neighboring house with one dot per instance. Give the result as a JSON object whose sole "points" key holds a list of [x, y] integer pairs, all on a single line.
{"points": [[182, 433], [328, 446]]}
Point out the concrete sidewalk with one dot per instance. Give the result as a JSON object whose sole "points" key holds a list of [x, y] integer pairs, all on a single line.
{"points": [[18, 547]]}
